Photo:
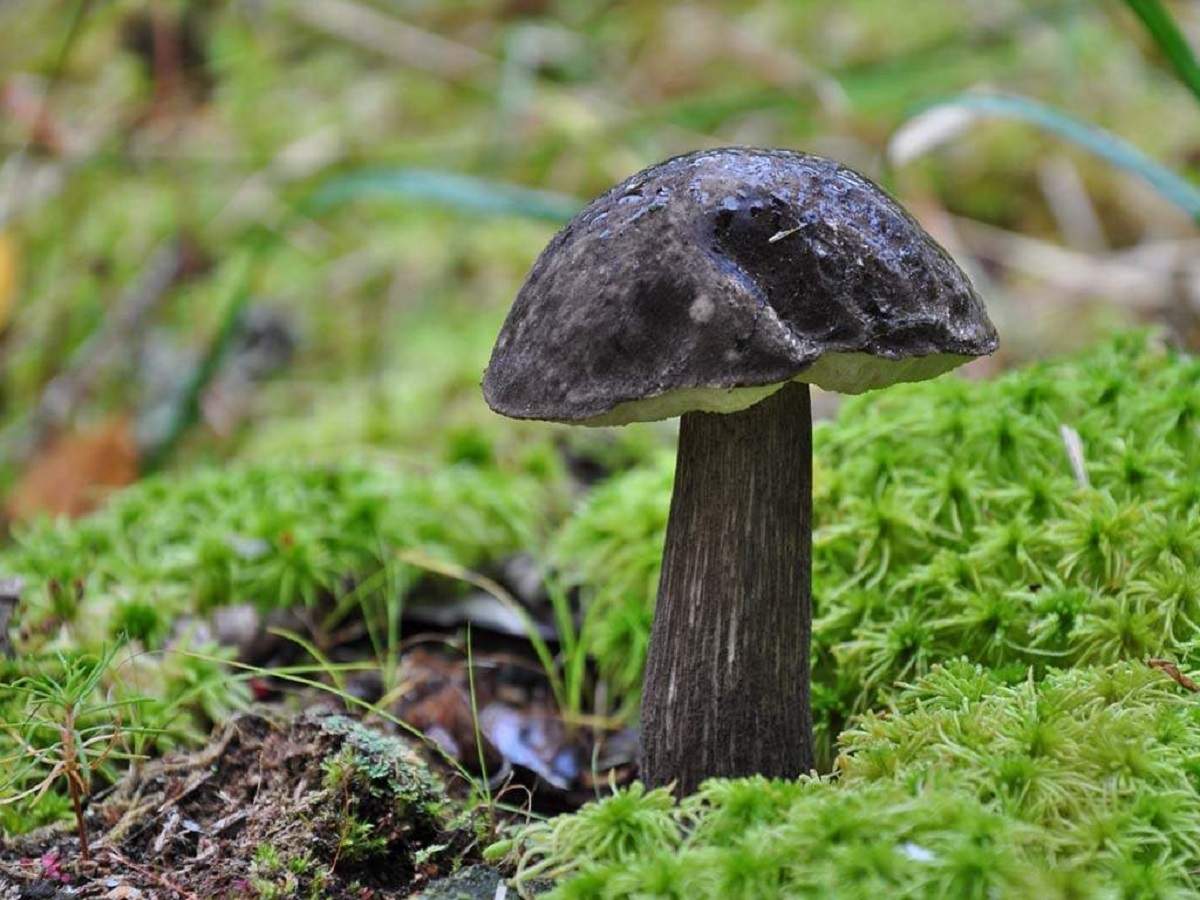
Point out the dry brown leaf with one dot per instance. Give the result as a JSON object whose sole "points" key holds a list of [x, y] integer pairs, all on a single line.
{"points": [[75, 470]]}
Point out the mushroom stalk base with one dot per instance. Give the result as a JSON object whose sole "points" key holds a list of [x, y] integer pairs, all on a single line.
{"points": [[727, 677]]}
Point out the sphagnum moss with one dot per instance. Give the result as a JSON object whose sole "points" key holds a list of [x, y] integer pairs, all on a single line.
{"points": [[960, 528], [1081, 784], [948, 520]]}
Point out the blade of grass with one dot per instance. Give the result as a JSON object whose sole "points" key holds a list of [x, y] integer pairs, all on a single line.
{"points": [[309, 647], [293, 674], [386, 646], [574, 651], [540, 647], [393, 595], [1097, 141], [1170, 40], [462, 193], [484, 778], [357, 596], [186, 410]]}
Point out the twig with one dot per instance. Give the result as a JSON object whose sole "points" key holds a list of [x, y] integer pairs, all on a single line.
{"points": [[1069, 203], [1140, 279], [1074, 447], [167, 832], [388, 36], [1068, 270], [1172, 671]]}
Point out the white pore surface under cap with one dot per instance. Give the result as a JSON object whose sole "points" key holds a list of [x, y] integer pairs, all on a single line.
{"points": [[846, 373]]}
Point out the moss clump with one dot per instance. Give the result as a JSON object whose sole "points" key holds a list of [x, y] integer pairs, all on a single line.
{"points": [[949, 521], [612, 548], [379, 802], [379, 765], [1083, 784], [124, 703], [163, 553], [271, 535], [1102, 758]]}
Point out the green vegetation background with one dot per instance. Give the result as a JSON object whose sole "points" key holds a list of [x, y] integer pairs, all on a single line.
{"points": [[296, 159]]}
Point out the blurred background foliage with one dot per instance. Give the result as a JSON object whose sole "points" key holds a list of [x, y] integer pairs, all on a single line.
{"points": [[240, 228], [242, 237]]}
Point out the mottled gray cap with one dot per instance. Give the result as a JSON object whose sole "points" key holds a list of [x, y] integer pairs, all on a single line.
{"points": [[710, 280]]}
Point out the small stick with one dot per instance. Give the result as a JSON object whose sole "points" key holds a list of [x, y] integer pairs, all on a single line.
{"points": [[388, 36], [1172, 671], [76, 786], [1074, 446]]}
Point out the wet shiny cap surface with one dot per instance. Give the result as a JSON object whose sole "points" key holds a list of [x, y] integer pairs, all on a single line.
{"points": [[707, 281]]}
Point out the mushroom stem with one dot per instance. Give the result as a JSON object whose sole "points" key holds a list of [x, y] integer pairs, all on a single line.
{"points": [[727, 680]]}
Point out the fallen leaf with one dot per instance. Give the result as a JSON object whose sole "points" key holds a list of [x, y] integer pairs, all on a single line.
{"points": [[75, 470]]}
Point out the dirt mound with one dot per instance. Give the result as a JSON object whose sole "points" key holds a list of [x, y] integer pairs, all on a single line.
{"points": [[315, 806]]}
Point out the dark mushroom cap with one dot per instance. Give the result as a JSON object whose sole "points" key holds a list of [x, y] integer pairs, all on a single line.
{"points": [[709, 280]]}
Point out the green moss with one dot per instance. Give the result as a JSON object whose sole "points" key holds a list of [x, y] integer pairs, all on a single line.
{"points": [[612, 548], [273, 535], [948, 521], [138, 620], [379, 802], [377, 765], [1079, 785], [171, 548], [949, 524]]}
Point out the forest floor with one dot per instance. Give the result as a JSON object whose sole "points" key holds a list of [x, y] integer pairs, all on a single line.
{"points": [[314, 805]]}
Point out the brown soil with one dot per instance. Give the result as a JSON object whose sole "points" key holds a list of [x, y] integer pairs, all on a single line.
{"points": [[315, 806]]}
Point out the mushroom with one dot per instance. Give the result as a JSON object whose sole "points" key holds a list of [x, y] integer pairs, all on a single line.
{"points": [[718, 286]]}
